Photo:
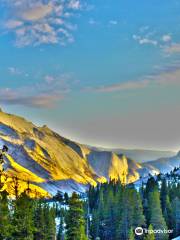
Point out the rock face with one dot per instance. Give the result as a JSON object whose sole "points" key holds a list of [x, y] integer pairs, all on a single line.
{"points": [[52, 162]]}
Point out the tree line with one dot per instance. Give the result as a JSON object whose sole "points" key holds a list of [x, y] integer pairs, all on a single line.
{"points": [[117, 210], [110, 211], [25, 218]]}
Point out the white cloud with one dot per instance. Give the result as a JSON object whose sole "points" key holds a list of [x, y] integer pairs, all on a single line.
{"points": [[148, 41], [38, 22], [113, 22], [144, 40], [166, 38], [75, 4]]}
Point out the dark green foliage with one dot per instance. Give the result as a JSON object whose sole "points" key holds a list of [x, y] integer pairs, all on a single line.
{"points": [[22, 221], [59, 197], [156, 217], [44, 219], [131, 235], [163, 195], [5, 218], [117, 210], [111, 211], [150, 236], [26, 219], [39, 218], [50, 230], [176, 216], [75, 223], [60, 235], [66, 198]]}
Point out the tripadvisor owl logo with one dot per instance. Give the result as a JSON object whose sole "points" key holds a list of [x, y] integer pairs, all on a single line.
{"points": [[139, 231]]}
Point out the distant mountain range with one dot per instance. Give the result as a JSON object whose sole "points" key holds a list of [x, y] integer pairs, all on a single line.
{"points": [[142, 155], [52, 162], [139, 155]]}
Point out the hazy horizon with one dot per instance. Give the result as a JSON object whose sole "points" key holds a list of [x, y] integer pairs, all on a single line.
{"points": [[100, 73]]}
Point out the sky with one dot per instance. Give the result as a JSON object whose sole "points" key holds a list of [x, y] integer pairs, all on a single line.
{"points": [[100, 72]]}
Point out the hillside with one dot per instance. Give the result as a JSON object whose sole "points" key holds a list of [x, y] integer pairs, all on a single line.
{"points": [[164, 164], [52, 162]]}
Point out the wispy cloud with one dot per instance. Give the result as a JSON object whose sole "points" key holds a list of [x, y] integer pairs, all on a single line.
{"points": [[131, 85], [172, 49], [45, 94], [16, 71], [12, 24], [145, 40], [17, 97], [74, 4], [113, 22], [164, 42], [38, 22], [92, 21], [60, 82], [170, 77], [143, 29]]}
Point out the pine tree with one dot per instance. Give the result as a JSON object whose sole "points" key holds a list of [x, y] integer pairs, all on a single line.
{"points": [[163, 195], [75, 224], [150, 186], [126, 217], [60, 235], [156, 217], [131, 235], [94, 229], [150, 236], [23, 224], [137, 210], [66, 198], [109, 216], [59, 197], [50, 225], [168, 212], [5, 224], [176, 216], [39, 220], [101, 206]]}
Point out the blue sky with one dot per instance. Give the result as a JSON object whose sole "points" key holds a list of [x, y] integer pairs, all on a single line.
{"points": [[101, 72]]}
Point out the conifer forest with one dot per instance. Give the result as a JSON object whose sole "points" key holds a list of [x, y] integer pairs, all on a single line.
{"points": [[109, 211]]}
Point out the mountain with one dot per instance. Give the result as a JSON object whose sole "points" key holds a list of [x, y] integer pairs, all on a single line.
{"points": [[139, 155], [143, 155], [164, 165], [51, 162]]}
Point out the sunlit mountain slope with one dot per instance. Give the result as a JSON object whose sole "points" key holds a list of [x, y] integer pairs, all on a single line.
{"points": [[52, 162]]}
